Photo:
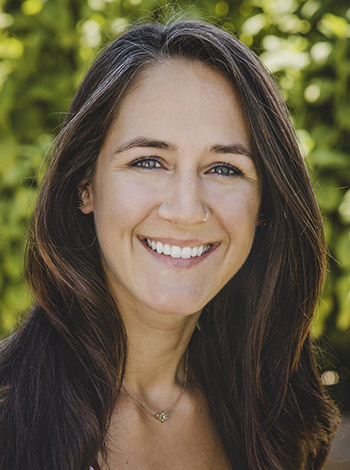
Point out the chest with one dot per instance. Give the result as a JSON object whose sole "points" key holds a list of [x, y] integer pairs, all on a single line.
{"points": [[187, 440]]}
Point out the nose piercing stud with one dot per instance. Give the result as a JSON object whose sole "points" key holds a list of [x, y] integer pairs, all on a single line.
{"points": [[206, 215]]}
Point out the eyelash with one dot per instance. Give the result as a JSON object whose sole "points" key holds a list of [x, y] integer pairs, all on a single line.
{"points": [[142, 160], [232, 170]]}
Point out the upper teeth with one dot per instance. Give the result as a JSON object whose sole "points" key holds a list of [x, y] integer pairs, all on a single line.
{"points": [[176, 251]]}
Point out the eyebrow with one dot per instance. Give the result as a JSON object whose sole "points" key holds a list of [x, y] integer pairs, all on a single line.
{"points": [[145, 142], [232, 148]]}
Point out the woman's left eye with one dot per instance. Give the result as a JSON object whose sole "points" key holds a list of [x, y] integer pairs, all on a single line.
{"points": [[225, 169], [148, 163]]}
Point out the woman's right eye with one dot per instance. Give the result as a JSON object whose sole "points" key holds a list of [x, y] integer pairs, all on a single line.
{"points": [[148, 163]]}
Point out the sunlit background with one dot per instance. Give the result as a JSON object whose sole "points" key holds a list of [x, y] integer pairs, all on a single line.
{"points": [[45, 48]]}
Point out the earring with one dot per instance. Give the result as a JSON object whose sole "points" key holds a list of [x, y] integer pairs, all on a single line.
{"points": [[80, 201], [262, 220]]}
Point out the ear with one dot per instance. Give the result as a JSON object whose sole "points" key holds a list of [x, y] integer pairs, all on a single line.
{"points": [[85, 197]]}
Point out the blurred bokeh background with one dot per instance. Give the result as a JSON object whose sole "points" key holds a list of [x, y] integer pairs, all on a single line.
{"points": [[47, 45]]}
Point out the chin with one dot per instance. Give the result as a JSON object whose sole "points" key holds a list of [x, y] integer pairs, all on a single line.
{"points": [[178, 307]]}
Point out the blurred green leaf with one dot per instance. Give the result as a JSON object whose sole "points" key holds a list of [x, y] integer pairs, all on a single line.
{"points": [[344, 208], [332, 25], [324, 157], [343, 293], [342, 249], [255, 24]]}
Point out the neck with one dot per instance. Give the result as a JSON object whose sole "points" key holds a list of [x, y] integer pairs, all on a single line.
{"points": [[157, 345]]}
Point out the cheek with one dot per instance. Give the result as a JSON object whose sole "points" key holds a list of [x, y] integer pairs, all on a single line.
{"points": [[239, 210], [120, 203]]}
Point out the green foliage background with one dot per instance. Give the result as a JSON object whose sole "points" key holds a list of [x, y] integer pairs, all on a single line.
{"points": [[47, 45]]}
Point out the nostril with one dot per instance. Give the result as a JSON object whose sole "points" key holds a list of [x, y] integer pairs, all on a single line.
{"points": [[183, 214]]}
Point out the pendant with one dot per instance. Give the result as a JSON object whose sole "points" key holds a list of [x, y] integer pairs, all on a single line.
{"points": [[162, 416]]}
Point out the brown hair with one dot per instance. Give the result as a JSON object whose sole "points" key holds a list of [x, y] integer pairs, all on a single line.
{"points": [[253, 356]]}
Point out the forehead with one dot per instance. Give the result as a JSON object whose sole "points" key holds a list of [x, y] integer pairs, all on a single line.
{"points": [[189, 70], [191, 79], [187, 96]]}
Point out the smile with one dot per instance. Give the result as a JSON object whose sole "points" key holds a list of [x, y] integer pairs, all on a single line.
{"points": [[175, 251]]}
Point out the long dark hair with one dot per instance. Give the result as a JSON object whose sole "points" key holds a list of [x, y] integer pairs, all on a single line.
{"points": [[61, 372]]}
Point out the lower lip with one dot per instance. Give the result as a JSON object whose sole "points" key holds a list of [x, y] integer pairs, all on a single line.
{"points": [[179, 262]]}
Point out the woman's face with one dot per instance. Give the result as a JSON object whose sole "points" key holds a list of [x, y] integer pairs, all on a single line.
{"points": [[178, 147]]}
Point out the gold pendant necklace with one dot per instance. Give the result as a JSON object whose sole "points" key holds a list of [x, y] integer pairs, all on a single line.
{"points": [[161, 415]]}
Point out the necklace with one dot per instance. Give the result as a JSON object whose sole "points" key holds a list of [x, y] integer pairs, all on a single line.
{"points": [[161, 415]]}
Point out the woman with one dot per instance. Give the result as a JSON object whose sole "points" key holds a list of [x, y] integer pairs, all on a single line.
{"points": [[176, 258]]}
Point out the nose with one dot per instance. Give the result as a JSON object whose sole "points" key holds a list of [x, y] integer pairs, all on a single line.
{"points": [[183, 204]]}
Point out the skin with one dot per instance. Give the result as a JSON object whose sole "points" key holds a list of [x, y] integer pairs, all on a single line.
{"points": [[199, 158]]}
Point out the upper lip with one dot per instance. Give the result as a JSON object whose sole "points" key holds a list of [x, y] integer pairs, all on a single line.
{"points": [[178, 242]]}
